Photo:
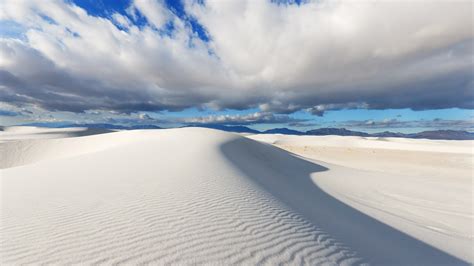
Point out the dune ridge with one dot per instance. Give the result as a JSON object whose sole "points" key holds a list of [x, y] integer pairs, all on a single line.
{"points": [[185, 196]]}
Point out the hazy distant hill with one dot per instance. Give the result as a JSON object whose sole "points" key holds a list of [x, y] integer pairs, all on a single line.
{"points": [[443, 134], [283, 130], [336, 131], [237, 129], [388, 134], [433, 134]]}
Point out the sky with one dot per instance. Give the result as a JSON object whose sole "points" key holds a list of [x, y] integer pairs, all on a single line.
{"points": [[364, 65]]}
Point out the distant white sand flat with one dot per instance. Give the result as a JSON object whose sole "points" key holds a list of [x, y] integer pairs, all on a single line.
{"points": [[201, 196], [445, 146], [453, 158]]}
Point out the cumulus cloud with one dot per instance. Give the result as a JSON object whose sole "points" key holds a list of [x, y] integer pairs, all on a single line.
{"points": [[245, 119], [154, 11], [317, 56], [321, 108]]}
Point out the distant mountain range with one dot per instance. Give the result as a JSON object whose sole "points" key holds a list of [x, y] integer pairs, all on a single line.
{"points": [[335, 131], [434, 134], [283, 130], [442, 134], [237, 129]]}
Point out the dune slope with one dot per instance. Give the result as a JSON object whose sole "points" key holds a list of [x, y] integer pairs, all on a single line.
{"points": [[15, 133], [185, 196]]}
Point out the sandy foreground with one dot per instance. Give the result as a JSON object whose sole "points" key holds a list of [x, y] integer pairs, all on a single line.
{"points": [[201, 196]]}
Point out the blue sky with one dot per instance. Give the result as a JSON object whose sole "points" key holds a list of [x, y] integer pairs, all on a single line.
{"points": [[262, 64]]}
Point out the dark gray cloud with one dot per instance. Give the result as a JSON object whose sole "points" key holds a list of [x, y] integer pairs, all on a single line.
{"points": [[320, 109]]}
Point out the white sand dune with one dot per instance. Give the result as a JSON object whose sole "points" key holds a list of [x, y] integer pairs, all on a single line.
{"points": [[421, 187], [201, 196], [26, 132]]}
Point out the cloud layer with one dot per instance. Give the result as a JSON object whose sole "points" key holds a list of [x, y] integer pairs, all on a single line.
{"points": [[246, 119], [317, 56]]}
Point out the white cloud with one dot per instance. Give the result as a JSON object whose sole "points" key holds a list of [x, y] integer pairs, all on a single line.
{"points": [[320, 55], [242, 119], [321, 108], [154, 11], [121, 20]]}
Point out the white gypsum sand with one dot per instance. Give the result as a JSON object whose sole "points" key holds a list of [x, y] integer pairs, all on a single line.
{"points": [[15, 133], [200, 196], [421, 187]]}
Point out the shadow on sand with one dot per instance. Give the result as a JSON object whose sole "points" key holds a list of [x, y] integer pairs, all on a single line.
{"points": [[287, 178]]}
